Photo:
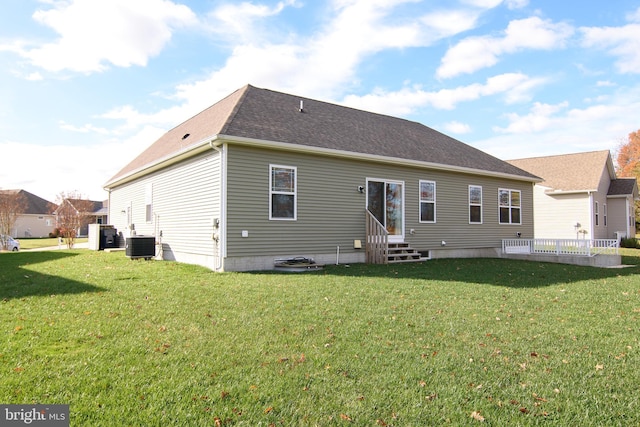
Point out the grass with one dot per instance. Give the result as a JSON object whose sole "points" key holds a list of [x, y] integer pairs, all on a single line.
{"points": [[28, 243], [445, 342]]}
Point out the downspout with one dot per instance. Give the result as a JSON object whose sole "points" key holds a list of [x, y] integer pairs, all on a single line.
{"points": [[221, 226]]}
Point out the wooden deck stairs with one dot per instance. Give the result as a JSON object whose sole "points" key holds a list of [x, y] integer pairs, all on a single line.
{"points": [[403, 252]]}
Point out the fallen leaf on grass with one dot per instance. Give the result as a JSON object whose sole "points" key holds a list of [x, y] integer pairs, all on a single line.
{"points": [[476, 416], [599, 367], [345, 417]]}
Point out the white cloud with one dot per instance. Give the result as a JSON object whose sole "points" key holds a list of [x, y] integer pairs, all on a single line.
{"points": [[238, 21], [605, 83], [475, 53], [87, 128], [93, 35], [621, 42], [34, 77], [457, 127], [67, 168], [539, 118], [320, 64], [517, 4], [514, 87], [555, 128], [634, 16]]}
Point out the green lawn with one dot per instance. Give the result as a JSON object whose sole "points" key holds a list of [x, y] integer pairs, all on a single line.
{"points": [[445, 342], [26, 244]]}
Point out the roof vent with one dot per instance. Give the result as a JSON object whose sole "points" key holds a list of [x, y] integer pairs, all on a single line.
{"points": [[185, 136], [301, 106]]}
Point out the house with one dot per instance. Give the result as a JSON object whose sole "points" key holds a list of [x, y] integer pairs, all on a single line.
{"points": [[37, 218], [88, 211], [581, 197], [263, 175]]}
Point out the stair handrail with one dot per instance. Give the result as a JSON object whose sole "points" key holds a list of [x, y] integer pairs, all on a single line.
{"points": [[377, 243]]}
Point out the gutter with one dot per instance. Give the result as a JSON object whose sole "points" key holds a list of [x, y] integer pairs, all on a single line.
{"points": [[561, 192]]}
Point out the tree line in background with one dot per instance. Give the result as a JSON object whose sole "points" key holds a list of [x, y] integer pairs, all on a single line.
{"points": [[72, 213], [628, 160]]}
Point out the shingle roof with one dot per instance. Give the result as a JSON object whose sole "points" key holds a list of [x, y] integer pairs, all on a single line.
{"points": [[34, 205], [266, 115], [568, 172], [95, 207], [623, 187]]}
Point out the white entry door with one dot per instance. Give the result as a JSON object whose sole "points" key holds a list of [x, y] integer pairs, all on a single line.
{"points": [[385, 200]]}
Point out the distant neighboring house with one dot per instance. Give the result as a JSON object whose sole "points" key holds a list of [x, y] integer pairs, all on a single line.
{"points": [[96, 212], [37, 220], [581, 197], [262, 175]]}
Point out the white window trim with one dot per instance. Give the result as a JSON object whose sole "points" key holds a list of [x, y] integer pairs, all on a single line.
{"points": [[510, 190], [476, 204], [294, 193], [420, 201], [596, 214]]}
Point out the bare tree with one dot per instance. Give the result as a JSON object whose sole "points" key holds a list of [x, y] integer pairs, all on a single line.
{"points": [[72, 214], [12, 204]]}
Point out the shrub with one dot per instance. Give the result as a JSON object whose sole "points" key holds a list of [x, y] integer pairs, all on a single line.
{"points": [[630, 242]]}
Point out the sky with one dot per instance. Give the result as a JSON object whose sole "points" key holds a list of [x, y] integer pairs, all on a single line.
{"points": [[86, 85]]}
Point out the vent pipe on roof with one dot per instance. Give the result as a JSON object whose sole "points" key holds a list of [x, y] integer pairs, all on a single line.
{"points": [[301, 106]]}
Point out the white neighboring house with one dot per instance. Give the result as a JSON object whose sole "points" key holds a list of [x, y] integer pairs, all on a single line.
{"points": [[581, 197], [37, 220]]}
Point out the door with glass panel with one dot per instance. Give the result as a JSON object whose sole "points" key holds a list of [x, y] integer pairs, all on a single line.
{"points": [[385, 202]]}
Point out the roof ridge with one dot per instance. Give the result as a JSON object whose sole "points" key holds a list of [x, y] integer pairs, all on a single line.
{"points": [[234, 111]]}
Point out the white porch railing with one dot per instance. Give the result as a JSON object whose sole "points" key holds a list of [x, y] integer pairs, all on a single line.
{"points": [[579, 247]]}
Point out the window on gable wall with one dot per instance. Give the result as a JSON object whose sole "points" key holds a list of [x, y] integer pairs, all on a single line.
{"points": [[427, 201], [475, 204], [509, 206], [604, 214], [282, 192], [597, 213]]}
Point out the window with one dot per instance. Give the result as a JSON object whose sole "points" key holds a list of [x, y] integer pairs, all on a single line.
{"points": [[282, 192], [427, 201], [597, 213], [604, 214], [148, 202], [509, 206], [475, 204]]}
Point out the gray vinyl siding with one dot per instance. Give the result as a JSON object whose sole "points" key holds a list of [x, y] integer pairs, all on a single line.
{"points": [[186, 200], [330, 210]]}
